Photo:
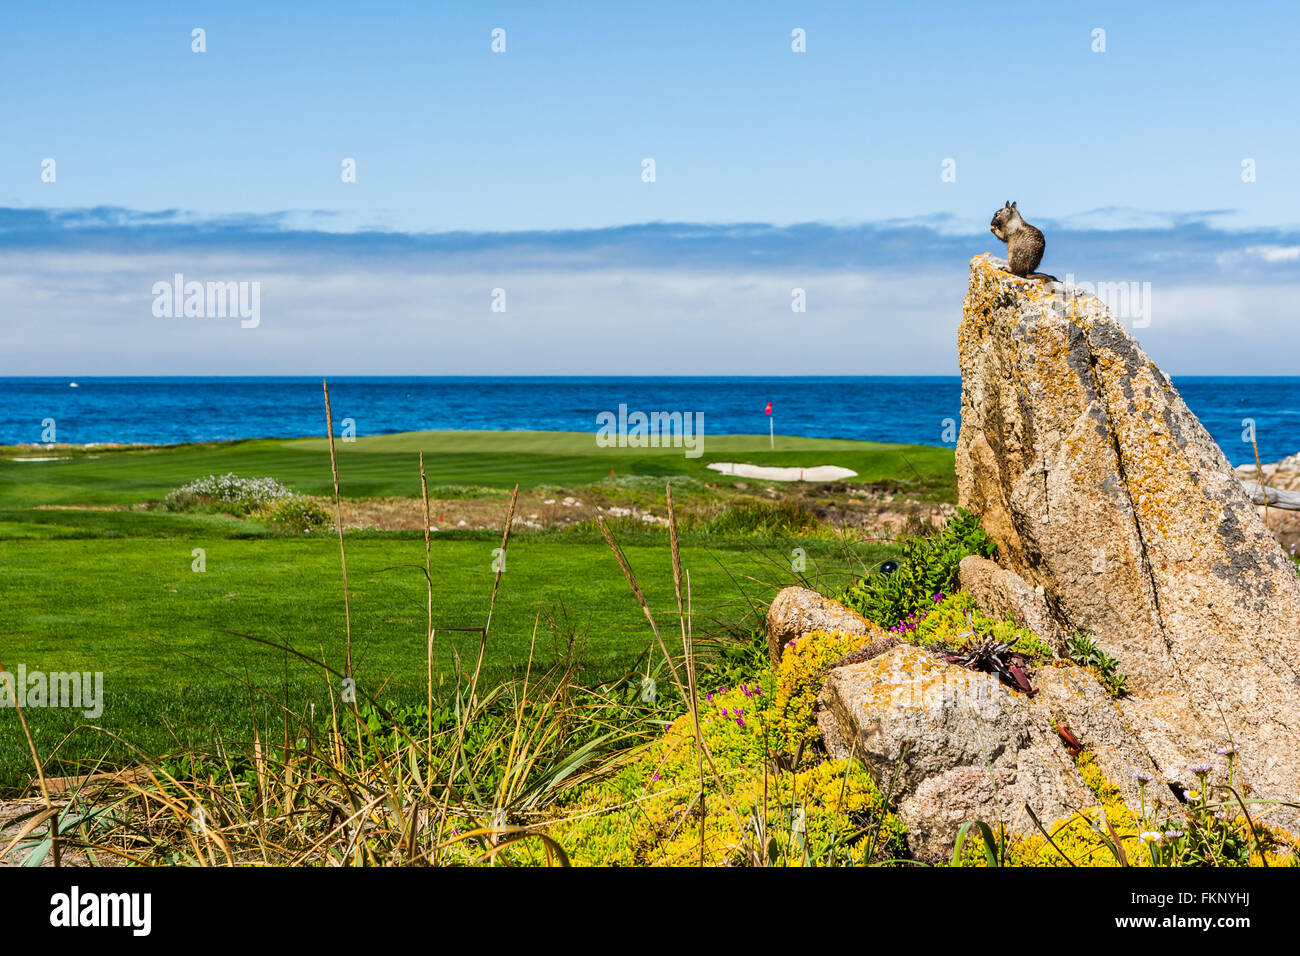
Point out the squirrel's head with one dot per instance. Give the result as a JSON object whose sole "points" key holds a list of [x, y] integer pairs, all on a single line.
{"points": [[1005, 221]]}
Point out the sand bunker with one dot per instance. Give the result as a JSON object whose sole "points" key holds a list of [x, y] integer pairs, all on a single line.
{"points": [[815, 473]]}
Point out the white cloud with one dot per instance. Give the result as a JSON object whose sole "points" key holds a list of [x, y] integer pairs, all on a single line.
{"points": [[657, 299], [92, 314], [1276, 253]]}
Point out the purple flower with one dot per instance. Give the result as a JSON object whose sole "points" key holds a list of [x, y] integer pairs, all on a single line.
{"points": [[1201, 769], [1228, 751], [1143, 777], [656, 776]]}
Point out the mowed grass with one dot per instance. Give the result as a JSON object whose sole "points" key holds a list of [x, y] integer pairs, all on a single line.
{"points": [[179, 665], [185, 654], [386, 464]]}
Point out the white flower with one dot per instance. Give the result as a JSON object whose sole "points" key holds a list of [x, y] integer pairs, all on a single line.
{"points": [[235, 490]]}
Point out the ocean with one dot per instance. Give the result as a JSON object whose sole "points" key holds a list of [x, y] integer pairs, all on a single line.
{"points": [[911, 409]]}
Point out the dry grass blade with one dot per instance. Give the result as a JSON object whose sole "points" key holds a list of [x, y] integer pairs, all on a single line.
{"points": [[510, 835], [640, 597], [428, 574], [1259, 471], [688, 655], [40, 772], [1250, 824], [496, 584], [472, 700], [36, 818], [338, 517], [674, 545], [501, 564]]}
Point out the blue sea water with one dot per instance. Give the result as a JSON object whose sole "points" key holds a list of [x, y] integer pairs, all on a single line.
{"points": [[877, 408]]}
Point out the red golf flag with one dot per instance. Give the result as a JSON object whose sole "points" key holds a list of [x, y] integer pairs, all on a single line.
{"points": [[768, 410]]}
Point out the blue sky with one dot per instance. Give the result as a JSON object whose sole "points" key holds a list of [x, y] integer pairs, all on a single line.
{"points": [[522, 170]]}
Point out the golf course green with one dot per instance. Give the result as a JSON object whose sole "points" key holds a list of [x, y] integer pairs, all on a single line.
{"points": [[190, 615]]}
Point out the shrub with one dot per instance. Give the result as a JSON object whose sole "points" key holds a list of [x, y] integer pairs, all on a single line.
{"points": [[928, 566], [265, 498], [235, 494], [779, 519], [297, 514], [734, 660]]}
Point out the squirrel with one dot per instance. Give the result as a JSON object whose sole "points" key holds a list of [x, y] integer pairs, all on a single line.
{"points": [[1025, 244]]}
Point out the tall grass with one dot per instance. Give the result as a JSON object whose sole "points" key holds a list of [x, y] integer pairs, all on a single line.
{"points": [[473, 774]]}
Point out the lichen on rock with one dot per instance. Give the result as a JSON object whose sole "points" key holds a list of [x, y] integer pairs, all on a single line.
{"points": [[1102, 487]]}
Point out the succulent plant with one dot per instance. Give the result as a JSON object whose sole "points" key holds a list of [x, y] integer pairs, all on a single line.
{"points": [[996, 657]]}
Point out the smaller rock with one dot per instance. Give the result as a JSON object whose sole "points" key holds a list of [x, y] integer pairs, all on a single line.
{"points": [[956, 745], [909, 715], [1001, 594], [796, 612], [941, 805]]}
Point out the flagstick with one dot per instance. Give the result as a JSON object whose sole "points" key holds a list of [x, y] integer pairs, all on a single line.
{"points": [[771, 427]]}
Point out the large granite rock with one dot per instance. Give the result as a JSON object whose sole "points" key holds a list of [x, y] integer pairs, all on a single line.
{"points": [[1101, 487]]}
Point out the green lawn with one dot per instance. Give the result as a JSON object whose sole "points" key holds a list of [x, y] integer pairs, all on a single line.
{"points": [[113, 591], [172, 645], [388, 464]]}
